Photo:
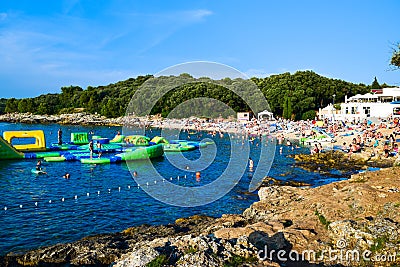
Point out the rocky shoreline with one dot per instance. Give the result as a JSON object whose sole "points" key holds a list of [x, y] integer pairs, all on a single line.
{"points": [[358, 218], [71, 119]]}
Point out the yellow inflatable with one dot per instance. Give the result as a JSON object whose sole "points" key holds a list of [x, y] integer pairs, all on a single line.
{"points": [[40, 141]]}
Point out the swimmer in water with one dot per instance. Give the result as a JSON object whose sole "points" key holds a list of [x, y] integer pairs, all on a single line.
{"points": [[251, 163]]}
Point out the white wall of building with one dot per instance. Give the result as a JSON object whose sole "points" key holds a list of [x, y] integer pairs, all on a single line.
{"points": [[361, 107]]}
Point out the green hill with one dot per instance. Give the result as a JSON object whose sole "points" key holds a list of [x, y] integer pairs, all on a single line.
{"points": [[304, 91]]}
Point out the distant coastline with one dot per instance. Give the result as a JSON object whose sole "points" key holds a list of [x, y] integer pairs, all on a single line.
{"points": [[72, 119]]}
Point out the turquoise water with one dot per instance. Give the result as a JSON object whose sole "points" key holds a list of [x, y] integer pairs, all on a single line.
{"points": [[47, 209]]}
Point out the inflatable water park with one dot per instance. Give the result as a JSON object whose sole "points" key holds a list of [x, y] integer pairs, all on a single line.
{"points": [[97, 150]]}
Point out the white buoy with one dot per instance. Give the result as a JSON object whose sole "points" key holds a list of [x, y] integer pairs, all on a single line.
{"points": [[87, 194], [163, 180], [170, 178], [50, 201], [20, 206], [155, 182], [129, 187], [76, 197], [36, 204], [147, 183], [62, 199], [98, 192], [178, 177], [119, 189], [109, 190], [185, 176], [5, 208]]}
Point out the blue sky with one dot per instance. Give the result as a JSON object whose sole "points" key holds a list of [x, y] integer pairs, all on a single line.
{"points": [[48, 44]]}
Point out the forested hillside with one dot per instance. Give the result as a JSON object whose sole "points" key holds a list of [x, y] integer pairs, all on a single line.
{"points": [[289, 95]]}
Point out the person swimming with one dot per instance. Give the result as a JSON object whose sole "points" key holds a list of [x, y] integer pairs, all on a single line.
{"points": [[66, 176], [39, 165], [251, 164]]}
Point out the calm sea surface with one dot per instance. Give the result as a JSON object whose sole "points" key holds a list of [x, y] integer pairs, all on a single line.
{"points": [[47, 209]]}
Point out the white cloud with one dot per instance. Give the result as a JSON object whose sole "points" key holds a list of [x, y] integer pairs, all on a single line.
{"points": [[196, 15], [259, 73], [3, 16], [168, 23]]}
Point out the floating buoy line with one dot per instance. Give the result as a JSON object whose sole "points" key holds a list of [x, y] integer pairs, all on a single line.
{"points": [[35, 204]]}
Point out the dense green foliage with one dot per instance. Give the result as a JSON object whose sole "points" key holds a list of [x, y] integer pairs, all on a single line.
{"points": [[3, 102], [110, 100], [309, 115], [289, 95], [308, 90]]}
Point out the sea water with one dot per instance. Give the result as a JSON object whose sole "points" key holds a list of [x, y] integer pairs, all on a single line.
{"points": [[41, 210]]}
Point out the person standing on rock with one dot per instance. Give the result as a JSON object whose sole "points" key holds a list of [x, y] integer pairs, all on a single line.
{"points": [[59, 136]]}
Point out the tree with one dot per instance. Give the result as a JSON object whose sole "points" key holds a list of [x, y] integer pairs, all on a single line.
{"points": [[309, 115], [23, 106], [287, 108], [375, 84], [11, 105], [43, 108], [395, 61]]}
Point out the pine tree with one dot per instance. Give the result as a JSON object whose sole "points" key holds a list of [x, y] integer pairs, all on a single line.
{"points": [[375, 84]]}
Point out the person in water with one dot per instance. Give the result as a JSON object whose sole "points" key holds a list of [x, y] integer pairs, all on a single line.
{"points": [[251, 164], [39, 165], [66, 176]]}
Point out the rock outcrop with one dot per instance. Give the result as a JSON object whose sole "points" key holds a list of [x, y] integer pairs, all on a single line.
{"points": [[81, 118], [337, 160]]}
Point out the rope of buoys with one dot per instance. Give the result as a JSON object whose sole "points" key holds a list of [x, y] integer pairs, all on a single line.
{"points": [[27, 204]]}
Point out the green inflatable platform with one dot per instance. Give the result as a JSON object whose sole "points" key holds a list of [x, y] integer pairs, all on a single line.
{"points": [[95, 160], [7, 151]]}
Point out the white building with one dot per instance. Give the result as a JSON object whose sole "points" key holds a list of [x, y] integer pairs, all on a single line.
{"points": [[327, 112], [381, 104], [244, 116], [265, 115]]}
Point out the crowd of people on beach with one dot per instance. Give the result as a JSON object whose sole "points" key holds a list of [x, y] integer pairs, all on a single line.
{"points": [[376, 137]]}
